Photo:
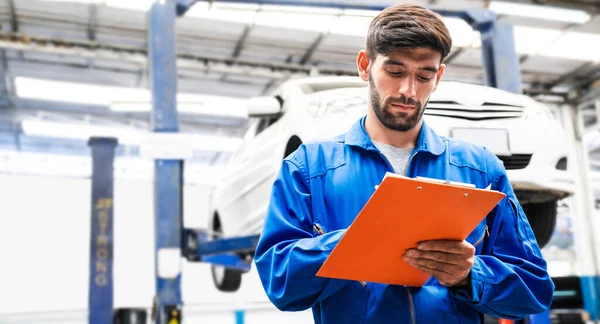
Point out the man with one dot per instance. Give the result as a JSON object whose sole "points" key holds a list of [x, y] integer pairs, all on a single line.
{"points": [[497, 270]]}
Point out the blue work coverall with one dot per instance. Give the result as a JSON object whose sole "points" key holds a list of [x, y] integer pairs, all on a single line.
{"points": [[327, 183]]}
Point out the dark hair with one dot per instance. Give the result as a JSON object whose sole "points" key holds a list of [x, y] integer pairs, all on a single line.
{"points": [[406, 27]]}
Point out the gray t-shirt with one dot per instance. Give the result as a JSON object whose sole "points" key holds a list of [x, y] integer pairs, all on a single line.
{"points": [[398, 157]]}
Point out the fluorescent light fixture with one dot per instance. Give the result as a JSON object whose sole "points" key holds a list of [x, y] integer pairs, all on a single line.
{"points": [[272, 16], [351, 25], [130, 136], [81, 131], [241, 16], [229, 5], [138, 5], [42, 89], [301, 9], [233, 110], [125, 99], [575, 46], [463, 35], [295, 20], [361, 13], [540, 12], [531, 40]]}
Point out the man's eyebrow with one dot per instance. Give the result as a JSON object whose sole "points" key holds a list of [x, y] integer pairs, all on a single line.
{"points": [[424, 68]]}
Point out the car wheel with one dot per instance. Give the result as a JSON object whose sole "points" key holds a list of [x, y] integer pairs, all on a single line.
{"points": [[542, 218], [225, 279]]}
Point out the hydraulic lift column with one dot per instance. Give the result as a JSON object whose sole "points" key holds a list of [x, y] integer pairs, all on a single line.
{"points": [[168, 174], [101, 252]]}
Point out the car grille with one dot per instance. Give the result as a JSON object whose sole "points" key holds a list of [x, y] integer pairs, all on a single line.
{"points": [[488, 110], [515, 161]]}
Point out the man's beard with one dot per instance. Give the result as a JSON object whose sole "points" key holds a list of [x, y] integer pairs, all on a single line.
{"points": [[399, 121]]}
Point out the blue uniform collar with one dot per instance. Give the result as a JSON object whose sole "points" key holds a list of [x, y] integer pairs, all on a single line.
{"points": [[428, 140]]}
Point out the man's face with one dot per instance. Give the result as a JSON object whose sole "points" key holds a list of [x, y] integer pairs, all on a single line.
{"points": [[400, 84]]}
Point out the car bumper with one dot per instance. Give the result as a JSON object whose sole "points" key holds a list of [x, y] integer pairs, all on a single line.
{"points": [[557, 182]]}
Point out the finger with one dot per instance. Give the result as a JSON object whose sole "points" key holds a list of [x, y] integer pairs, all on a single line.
{"points": [[444, 257], [455, 247], [433, 265], [444, 278]]}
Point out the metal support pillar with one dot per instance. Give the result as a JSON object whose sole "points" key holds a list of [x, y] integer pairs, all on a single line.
{"points": [[101, 252], [500, 57], [584, 204], [168, 174]]}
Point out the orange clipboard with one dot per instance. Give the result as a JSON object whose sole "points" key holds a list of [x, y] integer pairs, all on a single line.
{"points": [[402, 212]]}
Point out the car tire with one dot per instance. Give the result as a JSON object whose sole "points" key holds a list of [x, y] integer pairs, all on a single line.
{"points": [[225, 279], [542, 218]]}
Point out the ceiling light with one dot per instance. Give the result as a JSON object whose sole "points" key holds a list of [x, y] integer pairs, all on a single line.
{"points": [[81, 131], [41, 89], [138, 5], [125, 99], [575, 46], [463, 35], [236, 110], [295, 20], [129, 136], [531, 40], [351, 25], [540, 12], [241, 16]]}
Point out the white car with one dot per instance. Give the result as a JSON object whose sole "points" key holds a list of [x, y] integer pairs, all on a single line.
{"points": [[521, 131]]}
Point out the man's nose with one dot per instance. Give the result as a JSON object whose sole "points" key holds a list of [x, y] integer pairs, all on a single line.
{"points": [[408, 87]]}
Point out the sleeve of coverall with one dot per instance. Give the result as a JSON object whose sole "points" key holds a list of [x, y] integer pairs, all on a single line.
{"points": [[511, 282], [288, 254]]}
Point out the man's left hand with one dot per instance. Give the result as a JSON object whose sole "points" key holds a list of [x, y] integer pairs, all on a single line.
{"points": [[450, 262]]}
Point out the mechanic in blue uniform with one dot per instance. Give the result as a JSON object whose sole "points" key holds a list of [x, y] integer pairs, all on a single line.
{"points": [[497, 270]]}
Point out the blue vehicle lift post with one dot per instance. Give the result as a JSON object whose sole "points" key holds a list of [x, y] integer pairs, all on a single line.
{"points": [[168, 174], [100, 303], [501, 65]]}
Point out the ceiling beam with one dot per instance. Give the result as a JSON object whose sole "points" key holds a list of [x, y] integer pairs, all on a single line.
{"points": [[239, 46], [569, 77], [312, 49], [14, 19], [268, 87], [92, 22]]}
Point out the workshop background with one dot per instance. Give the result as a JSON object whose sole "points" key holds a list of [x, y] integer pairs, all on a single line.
{"points": [[72, 70]]}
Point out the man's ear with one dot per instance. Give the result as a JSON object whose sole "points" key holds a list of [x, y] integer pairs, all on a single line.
{"points": [[438, 76], [363, 61]]}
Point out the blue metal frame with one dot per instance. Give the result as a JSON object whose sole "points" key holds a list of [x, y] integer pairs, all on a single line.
{"points": [[100, 303], [168, 179], [199, 247]]}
